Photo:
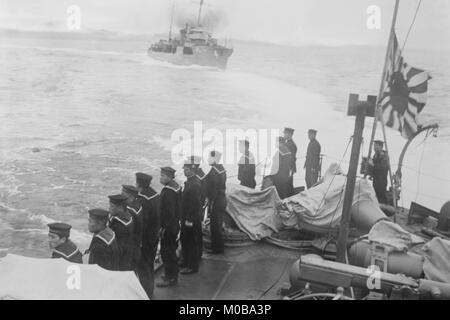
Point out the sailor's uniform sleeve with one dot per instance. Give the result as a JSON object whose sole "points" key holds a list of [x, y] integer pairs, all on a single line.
{"points": [[98, 255], [192, 202], [168, 210], [211, 186]]}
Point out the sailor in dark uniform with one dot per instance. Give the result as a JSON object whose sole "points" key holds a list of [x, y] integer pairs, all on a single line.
{"points": [[281, 178], [215, 194], [104, 250], [290, 144], [190, 219], [200, 174], [135, 210], [312, 162], [122, 224], [198, 229], [170, 226], [59, 242], [247, 167], [149, 200], [380, 170]]}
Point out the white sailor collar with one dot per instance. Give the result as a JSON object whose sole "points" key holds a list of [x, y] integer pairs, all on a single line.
{"points": [[125, 223], [100, 236], [218, 170], [75, 250], [138, 212], [172, 188], [147, 197]]}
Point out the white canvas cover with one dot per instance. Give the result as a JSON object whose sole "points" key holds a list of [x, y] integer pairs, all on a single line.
{"points": [[321, 206], [437, 260], [254, 212], [26, 278]]}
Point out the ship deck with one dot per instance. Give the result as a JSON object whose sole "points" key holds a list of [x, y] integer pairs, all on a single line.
{"points": [[255, 272]]}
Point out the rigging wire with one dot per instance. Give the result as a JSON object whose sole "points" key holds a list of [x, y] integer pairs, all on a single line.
{"points": [[418, 176], [412, 24]]}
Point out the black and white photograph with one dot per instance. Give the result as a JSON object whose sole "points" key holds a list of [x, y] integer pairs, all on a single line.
{"points": [[232, 151]]}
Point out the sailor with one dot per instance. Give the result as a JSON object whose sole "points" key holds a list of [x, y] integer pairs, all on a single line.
{"points": [[62, 246], [290, 144], [247, 168], [281, 179], [215, 194], [312, 162], [149, 200], [200, 175], [135, 210], [191, 219], [122, 224], [104, 250], [170, 226], [380, 170]]}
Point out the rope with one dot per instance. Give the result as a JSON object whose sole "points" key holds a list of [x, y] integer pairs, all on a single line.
{"points": [[329, 186], [412, 24]]}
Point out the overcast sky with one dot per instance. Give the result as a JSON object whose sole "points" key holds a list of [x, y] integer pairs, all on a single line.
{"points": [[331, 22]]}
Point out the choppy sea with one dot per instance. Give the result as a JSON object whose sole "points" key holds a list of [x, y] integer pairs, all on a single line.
{"points": [[78, 117]]}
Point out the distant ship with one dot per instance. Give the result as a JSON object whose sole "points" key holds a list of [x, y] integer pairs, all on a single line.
{"points": [[194, 46]]}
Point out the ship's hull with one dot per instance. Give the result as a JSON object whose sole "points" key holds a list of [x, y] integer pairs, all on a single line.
{"points": [[201, 56]]}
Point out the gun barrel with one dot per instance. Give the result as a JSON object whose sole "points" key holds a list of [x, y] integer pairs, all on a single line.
{"points": [[314, 269]]}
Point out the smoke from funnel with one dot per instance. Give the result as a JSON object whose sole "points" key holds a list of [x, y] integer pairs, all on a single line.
{"points": [[213, 18]]}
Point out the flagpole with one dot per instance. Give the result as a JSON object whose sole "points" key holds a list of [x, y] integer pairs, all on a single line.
{"points": [[380, 92]]}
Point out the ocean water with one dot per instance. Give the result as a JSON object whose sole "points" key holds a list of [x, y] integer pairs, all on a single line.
{"points": [[80, 116]]}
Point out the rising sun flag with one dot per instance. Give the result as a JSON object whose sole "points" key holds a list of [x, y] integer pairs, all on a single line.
{"points": [[405, 93]]}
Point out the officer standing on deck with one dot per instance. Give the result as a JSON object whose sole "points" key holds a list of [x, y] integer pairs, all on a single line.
{"points": [[290, 144], [312, 162], [380, 170], [215, 194], [59, 242], [122, 224], [170, 226], [247, 168], [135, 210], [283, 165], [149, 200], [104, 250], [190, 219]]}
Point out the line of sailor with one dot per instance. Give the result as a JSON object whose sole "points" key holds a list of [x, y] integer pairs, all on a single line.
{"points": [[126, 236]]}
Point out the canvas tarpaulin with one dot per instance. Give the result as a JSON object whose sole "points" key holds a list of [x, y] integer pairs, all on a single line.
{"points": [[321, 206], [437, 260], [391, 234], [254, 212], [24, 278]]}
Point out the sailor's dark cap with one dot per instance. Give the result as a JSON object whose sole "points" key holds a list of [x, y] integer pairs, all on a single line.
{"points": [[191, 163], [168, 171], [289, 130], [379, 142], [130, 189], [312, 131], [117, 199], [60, 228], [98, 213], [143, 179], [245, 141]]}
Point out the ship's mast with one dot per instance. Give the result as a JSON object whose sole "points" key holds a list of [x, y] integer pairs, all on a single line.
{"points": [[199, 13], [171, 21]]}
